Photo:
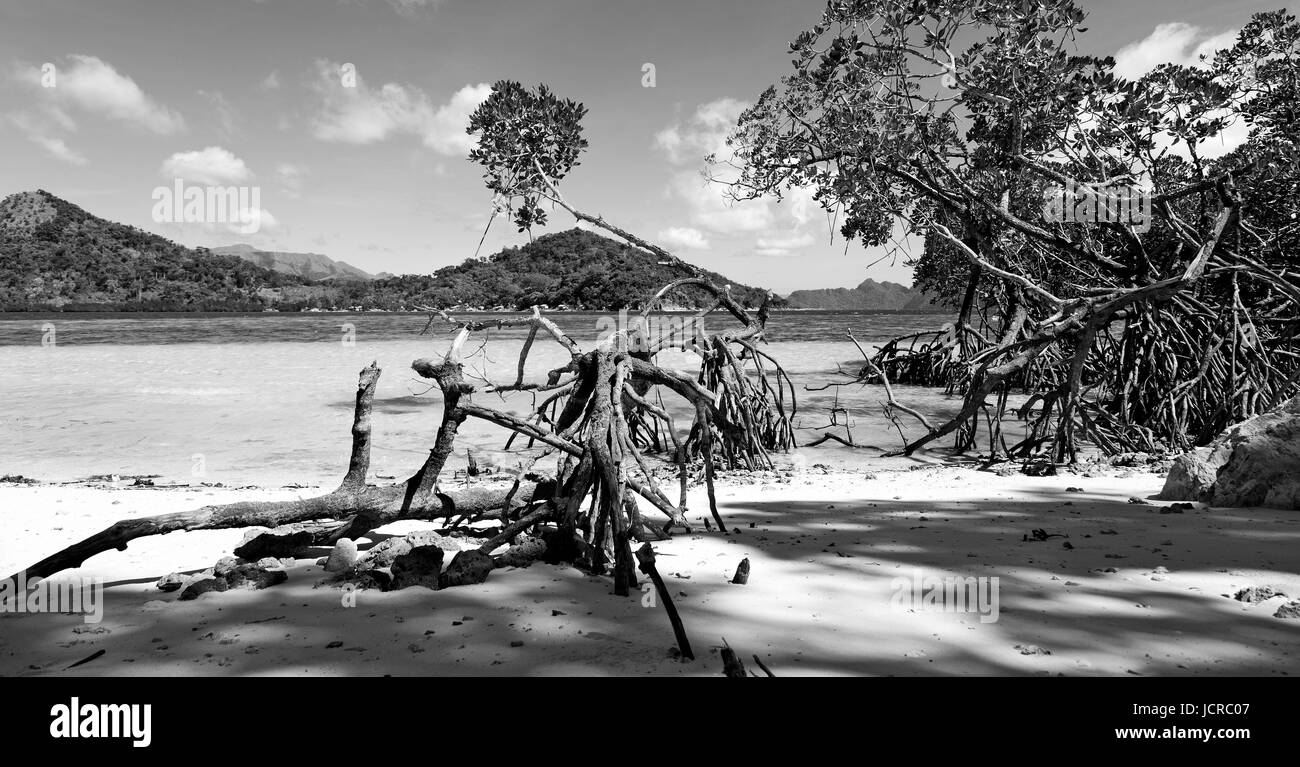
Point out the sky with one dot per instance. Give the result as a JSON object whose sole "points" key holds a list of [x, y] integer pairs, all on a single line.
{"points": [[347, 117]]}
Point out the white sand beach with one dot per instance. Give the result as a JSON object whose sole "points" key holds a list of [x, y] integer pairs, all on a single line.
{"points": [[1139, 593]]}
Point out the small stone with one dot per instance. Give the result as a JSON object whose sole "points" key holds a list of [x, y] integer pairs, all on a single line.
{"points": [[468, 567], [1032, 649], [421, 566], [1256, 594], [384, 553], [262, 574], [283, 541], [525, 551], [1290, 611], [201, 584], [225, 566], [172, 582], [334, 645], [343, 557], [742, 572]]}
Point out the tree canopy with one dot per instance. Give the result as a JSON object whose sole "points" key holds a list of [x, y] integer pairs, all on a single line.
{"points": [[957, 120]]}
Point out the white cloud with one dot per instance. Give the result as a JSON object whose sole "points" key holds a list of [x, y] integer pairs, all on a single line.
{"points": [[289, 173], [58, 149], [802, 205], [683, 237], [1214, 147], [1183, 44], [94, 86], [688, 142], [784, 244], [265, 222], [39, 128], [1210, 147], [445, 132], [780, 226], [58, 118], [710, 209], [212, 165], [1172, 43], [251, 225], [786, 241], [271, 82], [362, 115]]}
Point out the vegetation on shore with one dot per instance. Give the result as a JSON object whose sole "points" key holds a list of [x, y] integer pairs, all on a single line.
{"points": [[1139, 291]]}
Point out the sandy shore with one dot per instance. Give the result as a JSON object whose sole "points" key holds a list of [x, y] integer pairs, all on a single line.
{"points": [[825, 549]]}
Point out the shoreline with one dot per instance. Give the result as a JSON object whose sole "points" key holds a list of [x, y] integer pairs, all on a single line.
{"points": [[825, 546]]}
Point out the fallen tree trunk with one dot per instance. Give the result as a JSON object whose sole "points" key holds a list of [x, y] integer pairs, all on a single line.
{"points": [[384, 504]]}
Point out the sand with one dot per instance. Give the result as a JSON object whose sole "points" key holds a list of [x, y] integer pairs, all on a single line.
{"points": [[825, 548]]}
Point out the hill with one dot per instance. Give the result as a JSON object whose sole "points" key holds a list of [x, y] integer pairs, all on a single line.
{"points": [[308, 266], [575, 269], [870, 295], [54, 255]]}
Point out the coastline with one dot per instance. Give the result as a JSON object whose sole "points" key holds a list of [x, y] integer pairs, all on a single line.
{"points": [[825, 548]]}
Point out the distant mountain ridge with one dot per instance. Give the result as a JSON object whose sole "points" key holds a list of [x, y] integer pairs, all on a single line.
{"points": [[309, 266], [869, 295]]}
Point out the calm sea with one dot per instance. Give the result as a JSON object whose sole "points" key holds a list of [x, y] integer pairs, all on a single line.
{"points": [[266, 399], [77, 329]]}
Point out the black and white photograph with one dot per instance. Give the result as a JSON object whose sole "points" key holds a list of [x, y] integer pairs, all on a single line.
{"points": [[650, 338]]}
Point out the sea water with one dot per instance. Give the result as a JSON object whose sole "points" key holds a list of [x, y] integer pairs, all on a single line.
{"points": [[267, 399]]}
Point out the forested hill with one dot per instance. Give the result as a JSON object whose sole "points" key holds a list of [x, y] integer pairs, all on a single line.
{"points": [[54, 255], [576, 269]]}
